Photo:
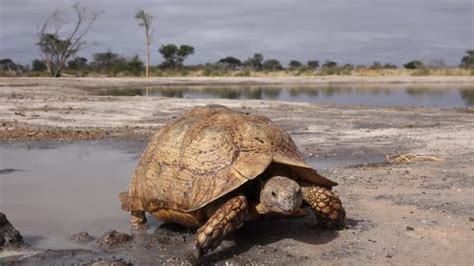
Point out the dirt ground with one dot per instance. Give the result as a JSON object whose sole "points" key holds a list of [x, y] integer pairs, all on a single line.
{"points": [[418, 212]]}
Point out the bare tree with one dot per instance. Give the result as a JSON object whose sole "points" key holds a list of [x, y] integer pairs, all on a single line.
{"points": [[61, 39], [145, 20]]}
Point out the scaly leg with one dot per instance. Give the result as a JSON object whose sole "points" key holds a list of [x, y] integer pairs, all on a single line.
{"points": [[138, 220], [226, 219], [326, 206]]}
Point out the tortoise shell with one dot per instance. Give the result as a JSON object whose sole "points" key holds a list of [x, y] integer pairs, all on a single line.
{"points": [[208, 152]]}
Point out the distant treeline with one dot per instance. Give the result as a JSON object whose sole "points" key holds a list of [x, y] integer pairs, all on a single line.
{"points": [[112, 64]]}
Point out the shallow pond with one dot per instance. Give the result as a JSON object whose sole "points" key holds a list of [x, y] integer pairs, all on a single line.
{"points": [[50, 191], [387, 95]]}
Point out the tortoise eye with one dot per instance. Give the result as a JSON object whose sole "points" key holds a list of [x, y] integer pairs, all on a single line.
{"points": [[274, 194]]}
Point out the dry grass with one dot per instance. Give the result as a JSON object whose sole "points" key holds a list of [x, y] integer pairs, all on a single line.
{"points": [[410, 157], [364, 72]]}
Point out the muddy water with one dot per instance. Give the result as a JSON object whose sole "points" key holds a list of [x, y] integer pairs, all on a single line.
{"points": [[388, 95], [55, 190], [50, 191]]}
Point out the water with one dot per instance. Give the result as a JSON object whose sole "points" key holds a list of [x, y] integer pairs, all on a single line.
{"points": [[387, 95], [50, 191], [58, 191]]}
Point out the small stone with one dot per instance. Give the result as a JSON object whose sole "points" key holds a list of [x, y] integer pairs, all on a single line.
{"points": [[82, 237], [119, 262], [409, 228], [113, 239], [388, 256], [9, 236], [20, 113]]}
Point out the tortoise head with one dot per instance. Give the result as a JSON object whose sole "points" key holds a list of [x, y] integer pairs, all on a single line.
{"points": [[281, 195]]}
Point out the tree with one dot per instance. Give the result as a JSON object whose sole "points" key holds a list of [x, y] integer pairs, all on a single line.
{"points": [[6, 64], [314, 64], [112, 63], [255, 62], [347, 67], [183, 52], [272, 65], [135, 65], [231, 62], [329, 64], [389, 66], [38, 65], [105, 61], [77, 63], [169, 52], [174, 56], [57, 45], [415, 64], [295, 64], [145, 20], [468, 60], [376, 65]]}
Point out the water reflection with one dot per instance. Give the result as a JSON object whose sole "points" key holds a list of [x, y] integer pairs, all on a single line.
{"points": [[370, 95], [468, 96]]}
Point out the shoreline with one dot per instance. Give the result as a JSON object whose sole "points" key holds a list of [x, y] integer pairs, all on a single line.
{"points": [[86, 82], [69, 109]]}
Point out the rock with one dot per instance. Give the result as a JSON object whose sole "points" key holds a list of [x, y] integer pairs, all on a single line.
{"points": [[119, 262], [9, 236], [82, 238], [20, 113], [113, 239]]}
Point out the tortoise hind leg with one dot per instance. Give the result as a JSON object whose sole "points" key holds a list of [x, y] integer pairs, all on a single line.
{"points": [[326, 206], [230, 216], [138, 220]]}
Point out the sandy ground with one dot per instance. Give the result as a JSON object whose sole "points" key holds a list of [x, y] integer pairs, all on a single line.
{"points": [[157, 81], [409, 213]]}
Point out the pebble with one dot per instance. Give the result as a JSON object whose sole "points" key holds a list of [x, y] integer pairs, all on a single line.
{"points": [[82, 237], [113, 238]]}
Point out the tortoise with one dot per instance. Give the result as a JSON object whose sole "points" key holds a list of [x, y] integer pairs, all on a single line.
{"points": [[215, 168]]}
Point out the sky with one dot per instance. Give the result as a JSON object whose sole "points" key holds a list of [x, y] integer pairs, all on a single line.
{"points": [[345, 31]]}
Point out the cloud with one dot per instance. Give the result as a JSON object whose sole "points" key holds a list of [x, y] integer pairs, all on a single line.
{"points": [[355, 31]]}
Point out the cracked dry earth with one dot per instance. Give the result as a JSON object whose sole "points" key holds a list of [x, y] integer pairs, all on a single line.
{"points": [[410, 213]]}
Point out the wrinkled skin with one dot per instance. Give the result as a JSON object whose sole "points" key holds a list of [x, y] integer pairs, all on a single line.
{"points": [[281, 195]]}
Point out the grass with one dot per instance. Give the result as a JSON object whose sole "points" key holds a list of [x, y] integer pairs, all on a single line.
{"points": [[210, 72]]}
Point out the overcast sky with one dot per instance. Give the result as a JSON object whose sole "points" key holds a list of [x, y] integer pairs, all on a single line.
{"points": [[352, 31]]}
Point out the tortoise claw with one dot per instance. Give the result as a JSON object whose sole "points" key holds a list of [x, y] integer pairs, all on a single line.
{"points": [[332, 224]]}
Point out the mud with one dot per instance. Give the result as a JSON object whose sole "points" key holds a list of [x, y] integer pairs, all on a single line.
{"points": [[414, 213]]}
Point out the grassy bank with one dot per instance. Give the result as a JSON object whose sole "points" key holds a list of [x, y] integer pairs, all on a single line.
{"points": [[216, 72]]}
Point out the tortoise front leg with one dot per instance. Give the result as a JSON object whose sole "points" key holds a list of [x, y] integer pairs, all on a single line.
{"points": [[326, 206], [226, 219]]}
